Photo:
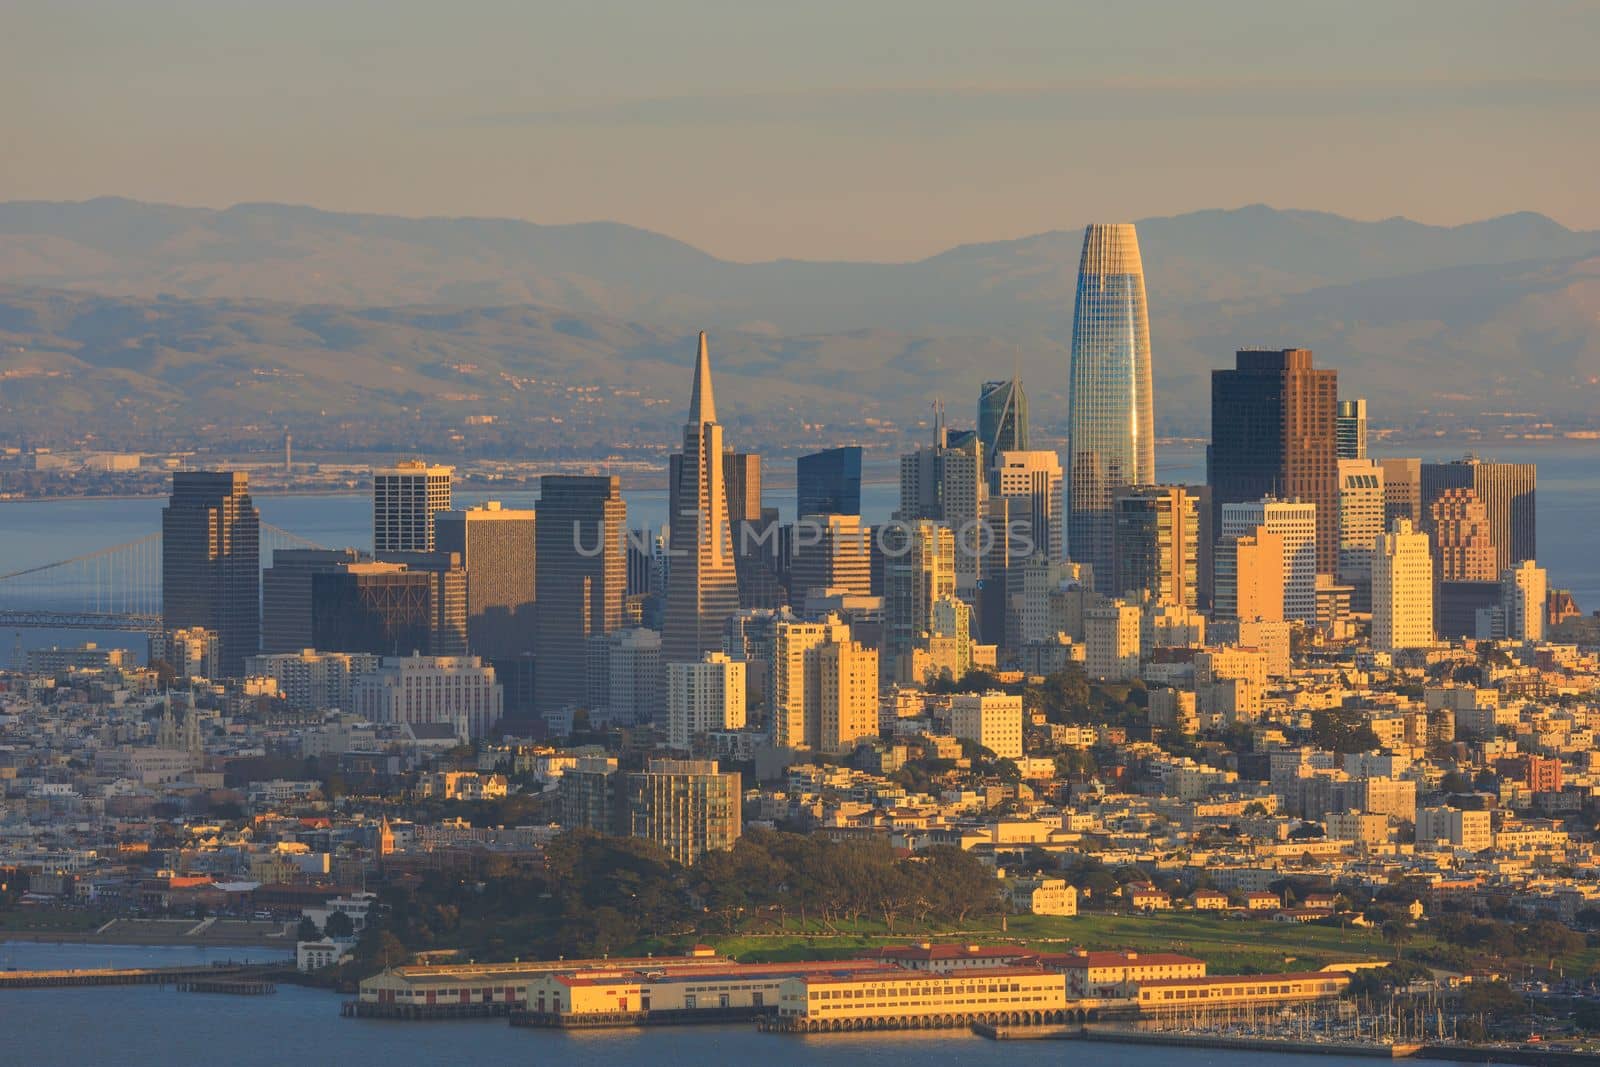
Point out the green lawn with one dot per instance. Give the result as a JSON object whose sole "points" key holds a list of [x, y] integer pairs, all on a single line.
{"points": [[49, 920], [1227, 945]]}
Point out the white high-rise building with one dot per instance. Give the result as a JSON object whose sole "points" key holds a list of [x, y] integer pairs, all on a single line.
{"points": [[1402, 589], [311, 680], [704, 696], [1522, 597], [993, 720], [1111, 640], [405, 499], [1296, 524], [624, 676], [822, 695], [422, 689], [1033, 482], [1360, 524]]}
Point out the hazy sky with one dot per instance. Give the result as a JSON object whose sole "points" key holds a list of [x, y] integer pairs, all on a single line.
{"points": [[808, 128]]}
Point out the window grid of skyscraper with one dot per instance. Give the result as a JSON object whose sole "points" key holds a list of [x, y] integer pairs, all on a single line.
{"points": [[1111, 435]]}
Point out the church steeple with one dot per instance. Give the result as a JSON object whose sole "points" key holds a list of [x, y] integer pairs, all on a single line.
{"points": [[702, 405]]}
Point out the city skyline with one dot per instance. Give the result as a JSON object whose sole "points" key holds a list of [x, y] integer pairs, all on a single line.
{"points": [[387, 633]]}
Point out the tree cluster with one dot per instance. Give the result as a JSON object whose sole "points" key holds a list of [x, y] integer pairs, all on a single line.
{"points": [[600, 895]]}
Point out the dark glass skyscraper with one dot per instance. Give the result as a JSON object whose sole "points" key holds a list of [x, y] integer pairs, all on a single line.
{"points": [[211, 562], [1111, 440], [829, 483], [286, 594], [581, 575], [1272, 434], [1002, 418]]}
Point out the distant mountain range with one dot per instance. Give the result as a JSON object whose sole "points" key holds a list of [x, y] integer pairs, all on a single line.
{"points": [[300, 310]]}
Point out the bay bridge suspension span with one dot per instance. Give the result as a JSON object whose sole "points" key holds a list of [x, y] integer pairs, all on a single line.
{"points": [[115, 588]]}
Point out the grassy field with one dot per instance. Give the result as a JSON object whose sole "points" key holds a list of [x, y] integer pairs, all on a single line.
{"points": [[1227, 945], [42, 920]]}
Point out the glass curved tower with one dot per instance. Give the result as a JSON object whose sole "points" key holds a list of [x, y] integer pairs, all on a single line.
{"points": [[1110, 438]]}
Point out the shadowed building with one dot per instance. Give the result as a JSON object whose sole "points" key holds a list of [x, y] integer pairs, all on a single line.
{"points": [[1402, 490], [581, 577], [688, 807], [497, 547], [1156, 549], [286, 594], [1002, 418], [1111, 438], [385, 609], [211, 562], [1272, 434], [829, 482]]}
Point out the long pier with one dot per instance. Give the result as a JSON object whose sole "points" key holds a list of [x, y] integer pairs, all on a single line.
{"points": [[134, 976]]}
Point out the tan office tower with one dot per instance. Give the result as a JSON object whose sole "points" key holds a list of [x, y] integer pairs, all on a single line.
{"points": [[741, 474], [1508, 492], [687, 807], [1032, 481], [1402, 589], [1402, 490], [581, 575], [1297, 524], [1463, 546], [498, 548], [1156, 544], [1361, 510], [830, 552], [1111, 641], [405, 499], [702, 584], [1522, 601], [847, 679], [796, 718], [1250, 577]]}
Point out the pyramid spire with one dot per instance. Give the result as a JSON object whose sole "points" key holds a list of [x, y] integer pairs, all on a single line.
{"points": [[702, 405]]}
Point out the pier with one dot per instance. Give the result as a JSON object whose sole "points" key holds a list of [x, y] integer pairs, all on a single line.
{"points": [[367, 1009], [138, 976], [233, 986]]}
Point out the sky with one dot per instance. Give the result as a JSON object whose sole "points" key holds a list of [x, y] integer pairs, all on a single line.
{"points": [[868, 129]]}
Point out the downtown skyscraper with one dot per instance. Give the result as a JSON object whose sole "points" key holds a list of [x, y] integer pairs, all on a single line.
{"points": [[702, 585], [580, 575], [1111, 437], [405, 498], [1002, 418], [1272, 435], [211, 562]]}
